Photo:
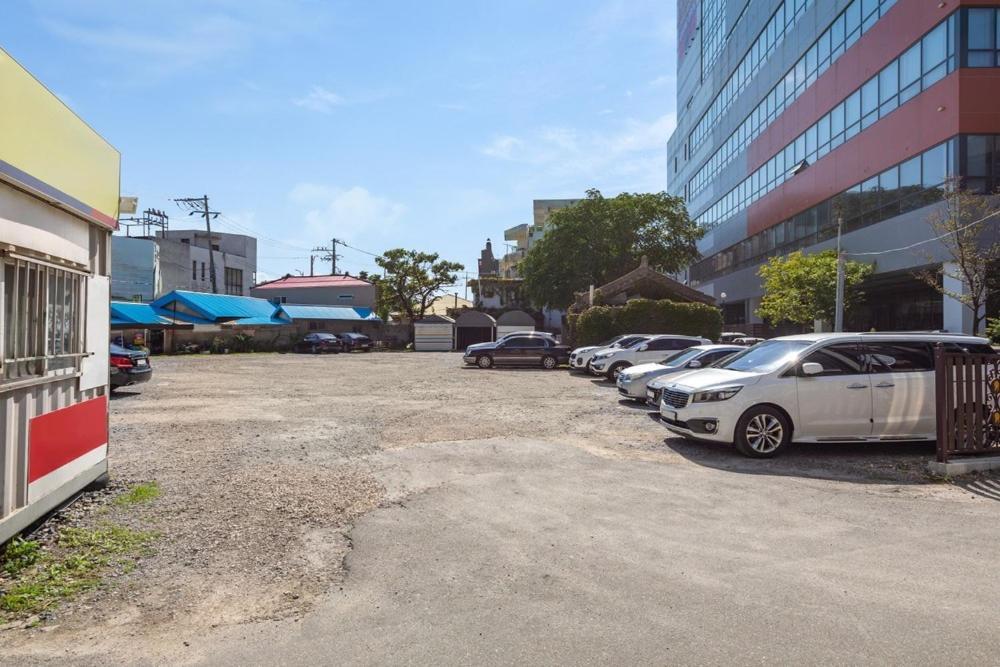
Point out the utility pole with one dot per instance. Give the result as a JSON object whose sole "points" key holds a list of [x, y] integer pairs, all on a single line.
{"points": [[312, 259], [200, 205], [330, 256], [838, 320]]}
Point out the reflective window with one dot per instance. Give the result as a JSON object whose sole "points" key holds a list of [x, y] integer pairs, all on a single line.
{"points": [[903, 357], [876, 98]]}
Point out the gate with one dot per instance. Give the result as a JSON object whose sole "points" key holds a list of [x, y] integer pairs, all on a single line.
{"points": [[968, 403]]}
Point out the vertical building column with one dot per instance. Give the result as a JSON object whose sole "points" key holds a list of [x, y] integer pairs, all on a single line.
{"points": [[956, 315]]}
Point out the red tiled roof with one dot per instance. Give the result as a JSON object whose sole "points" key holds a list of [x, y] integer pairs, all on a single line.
{"points": [[313, 281]]}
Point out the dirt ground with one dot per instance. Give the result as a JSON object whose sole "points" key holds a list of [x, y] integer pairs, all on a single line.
{"points": [[265, 462]]}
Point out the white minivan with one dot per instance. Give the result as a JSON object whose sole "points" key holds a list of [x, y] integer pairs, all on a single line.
{"points": [[814, 388]]}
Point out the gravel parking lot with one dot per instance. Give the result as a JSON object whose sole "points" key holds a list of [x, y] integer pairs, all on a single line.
{"points": [[267, 463]]}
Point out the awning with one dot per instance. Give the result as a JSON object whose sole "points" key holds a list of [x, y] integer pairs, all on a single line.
{"points": [[129, 315]]}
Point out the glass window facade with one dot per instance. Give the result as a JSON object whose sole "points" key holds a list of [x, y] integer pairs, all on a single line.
{"points": [[904, 187], [713, 32], [876, 98], [837, 38], [983, 34]]}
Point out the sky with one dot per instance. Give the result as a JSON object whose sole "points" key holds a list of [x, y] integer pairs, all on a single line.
{"points": [[429, 125]]}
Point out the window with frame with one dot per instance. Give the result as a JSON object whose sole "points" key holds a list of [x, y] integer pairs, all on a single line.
{"points": [[234, 281], [838, 359], [41, 320], [901, 357]]}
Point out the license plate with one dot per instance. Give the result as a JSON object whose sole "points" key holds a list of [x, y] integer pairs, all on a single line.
{"points": [[650, 394], [670, 414], [141, 362]]}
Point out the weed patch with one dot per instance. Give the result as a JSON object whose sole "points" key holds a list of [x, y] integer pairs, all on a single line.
{"points": [[139, 494], [35, 580]]}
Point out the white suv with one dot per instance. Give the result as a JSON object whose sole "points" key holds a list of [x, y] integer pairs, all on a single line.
{"points": [[814, 388], [579, 358], [613, 361]]}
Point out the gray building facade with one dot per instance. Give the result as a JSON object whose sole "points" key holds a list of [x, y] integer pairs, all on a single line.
{"points": [[145, 268], [794, 115]]}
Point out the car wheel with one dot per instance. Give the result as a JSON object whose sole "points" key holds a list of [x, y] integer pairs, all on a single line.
{"points": [[485, 361], [548, 363], [762, 432], [615, 370]]}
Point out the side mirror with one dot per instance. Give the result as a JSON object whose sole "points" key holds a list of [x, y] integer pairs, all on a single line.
{"points": [[644, 347], [812, 368], [694, 364]]}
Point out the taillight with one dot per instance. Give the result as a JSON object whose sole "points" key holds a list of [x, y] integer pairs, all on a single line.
{"points": [[121, 362]]}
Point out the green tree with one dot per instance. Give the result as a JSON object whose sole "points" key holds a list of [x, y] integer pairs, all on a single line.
{"points": [[993, 331], [802, 288], [599, 239], [412, 279]]}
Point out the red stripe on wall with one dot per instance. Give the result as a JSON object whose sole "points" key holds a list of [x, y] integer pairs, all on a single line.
{"points": [[964, 102], [59, 437], [906, 22]]}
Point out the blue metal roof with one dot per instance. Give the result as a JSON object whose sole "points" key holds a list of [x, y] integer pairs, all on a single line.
{"points": [[127, 313], [203, 308], [297, 312]]}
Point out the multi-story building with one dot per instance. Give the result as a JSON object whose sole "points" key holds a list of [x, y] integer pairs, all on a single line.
{"points": [[521, 237], [178, 259], [794, 114]]}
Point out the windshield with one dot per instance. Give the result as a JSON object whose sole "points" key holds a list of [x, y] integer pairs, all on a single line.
{"points": [[682, 358], [631, 342], [765, 357]]}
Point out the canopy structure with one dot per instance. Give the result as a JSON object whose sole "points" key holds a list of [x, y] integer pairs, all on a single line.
{"points": [[204, 308], [129, 315], [297, 312]]}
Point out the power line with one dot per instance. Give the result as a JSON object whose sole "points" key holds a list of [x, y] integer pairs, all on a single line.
{"points": [[931, 240], [200, 205]]}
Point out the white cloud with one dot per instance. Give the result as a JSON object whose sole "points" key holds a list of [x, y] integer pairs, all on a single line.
{"points": [[504, 147], [662, 80], [628, 157], [347, 213], [319, 99]]}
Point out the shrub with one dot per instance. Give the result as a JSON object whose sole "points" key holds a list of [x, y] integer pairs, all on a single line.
{"points": [[218, 346], [241, 342], [599, 323], [993, 330]]}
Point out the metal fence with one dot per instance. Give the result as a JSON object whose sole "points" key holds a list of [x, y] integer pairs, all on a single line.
{"points": [[968, 403]]}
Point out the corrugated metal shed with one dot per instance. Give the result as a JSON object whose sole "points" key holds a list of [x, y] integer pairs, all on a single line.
{"points": [[297, 312]]}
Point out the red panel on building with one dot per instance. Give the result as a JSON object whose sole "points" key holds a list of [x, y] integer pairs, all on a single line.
{"points": [[964, 102], [905, 23], [59, 437]]}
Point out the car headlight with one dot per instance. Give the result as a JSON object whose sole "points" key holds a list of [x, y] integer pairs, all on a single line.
{"points": [[719, 394]]}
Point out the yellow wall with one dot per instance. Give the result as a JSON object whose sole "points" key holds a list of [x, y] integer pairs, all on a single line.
{"points": [[41, 136]]}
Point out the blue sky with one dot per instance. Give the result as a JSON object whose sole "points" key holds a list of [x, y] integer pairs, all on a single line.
{"points": [[425, 125]]}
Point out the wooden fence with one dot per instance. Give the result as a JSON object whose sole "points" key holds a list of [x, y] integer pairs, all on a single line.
{"points": [[968, 403]]}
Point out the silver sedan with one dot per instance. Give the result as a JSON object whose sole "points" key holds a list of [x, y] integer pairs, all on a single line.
{"points": [[633, 383]]}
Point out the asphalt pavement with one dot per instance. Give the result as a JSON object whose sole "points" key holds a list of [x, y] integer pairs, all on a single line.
{"points": [[538, 552]]}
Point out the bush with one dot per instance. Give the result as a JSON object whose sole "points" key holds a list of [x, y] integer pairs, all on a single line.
{"points": [[993, 330], [241, 342], [600, 323], [218, 346]]}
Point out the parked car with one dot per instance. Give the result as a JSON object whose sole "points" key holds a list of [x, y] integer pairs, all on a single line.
{"points": [[319, 343], [728, 337], [488, 344], [613, 361], [523, 350], [814, 388], [580, 358], [128, 367], [747, 341], [636, 382], [355, 341]]}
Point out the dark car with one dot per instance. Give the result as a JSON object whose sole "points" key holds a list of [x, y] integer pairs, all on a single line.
{"points": [[526, 350], [356, 341], [129, 366], [318, 343]]}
